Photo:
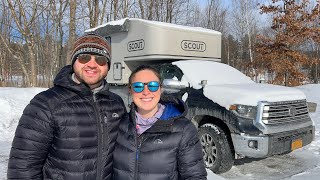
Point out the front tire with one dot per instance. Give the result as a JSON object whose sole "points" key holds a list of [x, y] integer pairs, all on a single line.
{"points": [[217, 153]]}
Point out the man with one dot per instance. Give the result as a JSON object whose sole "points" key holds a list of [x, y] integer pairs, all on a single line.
{"points": [[69, 131]]}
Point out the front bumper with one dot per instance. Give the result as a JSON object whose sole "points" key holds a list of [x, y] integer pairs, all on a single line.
{"points": [[271, 144]]}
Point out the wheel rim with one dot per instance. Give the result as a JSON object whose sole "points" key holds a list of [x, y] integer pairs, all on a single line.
{"points": [[209, 150]]}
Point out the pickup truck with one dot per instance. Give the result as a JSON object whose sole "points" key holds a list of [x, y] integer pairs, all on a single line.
{"points": [[237, 117]]}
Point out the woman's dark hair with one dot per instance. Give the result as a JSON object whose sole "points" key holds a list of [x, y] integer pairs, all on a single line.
{"points": [[144, 67]]}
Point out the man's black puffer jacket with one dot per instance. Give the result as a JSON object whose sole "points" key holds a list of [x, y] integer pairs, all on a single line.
{"points": [[169, 150], [67, 133]]}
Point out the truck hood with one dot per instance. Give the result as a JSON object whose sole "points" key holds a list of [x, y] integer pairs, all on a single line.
{"points": [[250, 94]]}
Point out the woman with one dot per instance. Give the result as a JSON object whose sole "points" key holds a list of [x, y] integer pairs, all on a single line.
{"points": [[156, 141]]}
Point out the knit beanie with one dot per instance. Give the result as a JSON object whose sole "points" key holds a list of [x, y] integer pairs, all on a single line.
{"points": [[91, 44]]}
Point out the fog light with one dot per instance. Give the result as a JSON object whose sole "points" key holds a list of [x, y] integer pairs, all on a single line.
{"points": [[253, 144]]}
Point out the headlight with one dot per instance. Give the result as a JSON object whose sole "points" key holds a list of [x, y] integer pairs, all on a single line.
{"points": [[244, 110]]}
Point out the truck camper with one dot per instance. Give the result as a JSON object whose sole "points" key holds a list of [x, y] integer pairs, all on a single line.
{"points": [[136, 41], [235, 116]]}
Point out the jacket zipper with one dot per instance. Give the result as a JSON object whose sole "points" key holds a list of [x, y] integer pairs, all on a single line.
{"points": [[139, 140], [100, 139]]}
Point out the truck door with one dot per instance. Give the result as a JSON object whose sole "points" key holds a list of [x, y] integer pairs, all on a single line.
{"points": [[117, 71]]}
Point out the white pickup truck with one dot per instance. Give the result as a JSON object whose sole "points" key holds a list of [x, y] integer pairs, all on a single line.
{"points": [[235, 116]]}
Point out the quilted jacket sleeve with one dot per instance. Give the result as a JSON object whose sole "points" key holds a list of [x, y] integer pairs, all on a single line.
{"points": [[190, 156], [32, 139]]}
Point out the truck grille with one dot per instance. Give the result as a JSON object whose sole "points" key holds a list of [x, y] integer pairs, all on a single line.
{"points": [[285, 112]]}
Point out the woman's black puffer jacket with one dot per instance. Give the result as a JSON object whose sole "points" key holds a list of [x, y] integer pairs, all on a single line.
{"points": [[169, 150], [67, 133]]}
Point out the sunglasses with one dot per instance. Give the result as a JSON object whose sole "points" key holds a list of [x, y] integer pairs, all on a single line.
{"points": [[138, 87], [100, 60]]}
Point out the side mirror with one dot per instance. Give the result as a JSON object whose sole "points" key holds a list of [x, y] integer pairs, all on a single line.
{"points": [[173, 86]]}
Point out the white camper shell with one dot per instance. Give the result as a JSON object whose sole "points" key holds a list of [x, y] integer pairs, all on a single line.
{"points": [[135, 40]]}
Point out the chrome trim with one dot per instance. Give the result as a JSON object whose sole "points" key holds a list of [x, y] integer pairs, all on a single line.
{"points": [[240, 143], [272, 144], [173, 86], [278, 117]]}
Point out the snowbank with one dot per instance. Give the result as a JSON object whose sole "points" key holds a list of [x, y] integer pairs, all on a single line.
{"points": [[12, 103]]}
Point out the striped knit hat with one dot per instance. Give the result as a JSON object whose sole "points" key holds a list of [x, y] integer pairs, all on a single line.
{"points": [[91, 44]]}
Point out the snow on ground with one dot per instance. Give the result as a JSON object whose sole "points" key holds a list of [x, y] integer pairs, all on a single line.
{"points": [[301, 164], [12, 103]]}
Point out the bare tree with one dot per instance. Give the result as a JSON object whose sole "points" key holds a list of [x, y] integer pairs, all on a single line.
{"points": [[141, 9], [103, 11], [214, 16], [115, 9], [125, 8], [169, 11], [93, 6], [147, 9], [72, 29], [4, 67], [244, 25], [24, 18], [54, 39], [194, 15], [150, 10]]}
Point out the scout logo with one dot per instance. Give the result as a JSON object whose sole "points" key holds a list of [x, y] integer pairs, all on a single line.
{"points": [[189, 45], [136, 45]]}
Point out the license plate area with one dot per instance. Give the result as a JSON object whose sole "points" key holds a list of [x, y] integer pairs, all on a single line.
{"points": [[296, 144]]}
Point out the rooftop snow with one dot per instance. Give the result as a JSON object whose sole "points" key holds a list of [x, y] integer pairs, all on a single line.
{"points": [[156, 23]]}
